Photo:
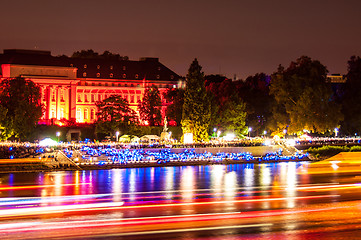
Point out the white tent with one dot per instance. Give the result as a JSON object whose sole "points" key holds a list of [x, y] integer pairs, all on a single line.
{"points": [[150, 138]]}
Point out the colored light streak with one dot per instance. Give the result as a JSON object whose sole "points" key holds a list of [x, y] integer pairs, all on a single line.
{"points": [[8, 188], [35, 200], [330, 187], [158, 220], [16, 212], [118, 205]]}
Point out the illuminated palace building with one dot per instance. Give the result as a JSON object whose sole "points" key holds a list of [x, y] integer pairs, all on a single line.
{"points": [[70, 87]]}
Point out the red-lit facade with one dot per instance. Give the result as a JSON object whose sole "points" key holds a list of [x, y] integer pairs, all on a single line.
{"points": [[70, 87]]}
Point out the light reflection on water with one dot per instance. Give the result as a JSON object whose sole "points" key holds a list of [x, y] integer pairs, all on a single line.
{"points": [[186, 181]]}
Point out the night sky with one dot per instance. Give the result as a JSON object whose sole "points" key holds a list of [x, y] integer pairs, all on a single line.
{"points": [[228, 37]]}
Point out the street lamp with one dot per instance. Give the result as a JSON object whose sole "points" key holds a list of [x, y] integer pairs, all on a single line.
{"points": [[249, 131], [58, 135], [117, 135]]}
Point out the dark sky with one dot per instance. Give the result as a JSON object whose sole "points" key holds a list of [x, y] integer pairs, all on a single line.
{"points": [[228, 37]]}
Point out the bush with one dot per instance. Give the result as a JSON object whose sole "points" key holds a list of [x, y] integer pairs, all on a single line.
{"points": [[327, 151], [355, 149]]}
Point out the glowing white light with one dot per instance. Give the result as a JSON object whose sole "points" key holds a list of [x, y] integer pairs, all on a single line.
{"points": [[188, 138], [218, 133], [229, 137], [276, 138], [334, 166], [291, 142], [336, 132], [267, 142], [48, 142]]}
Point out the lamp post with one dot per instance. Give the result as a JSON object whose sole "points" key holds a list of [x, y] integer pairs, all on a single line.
{"points": [[336, 132], [117, 135], [58, 135], [249, 131], [219, 133]]}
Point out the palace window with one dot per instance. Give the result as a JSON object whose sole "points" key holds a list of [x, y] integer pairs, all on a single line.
{"points": [[52, 113], [53, 95], [124, 68], [92, 114], [85, 97], [136, 76], [86, 113], [124, 75], [93, 97], [44, 94], [84, 74], [79, 97], [85, 66], [62, 95], [78, 114], [98, 67], [132, 99], [61, 113], [111, 75], [111, 67], [138, 99], [98, 74], [158, 76]]}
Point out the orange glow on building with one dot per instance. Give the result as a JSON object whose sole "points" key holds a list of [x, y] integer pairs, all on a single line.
{"points": [[70, 87]]}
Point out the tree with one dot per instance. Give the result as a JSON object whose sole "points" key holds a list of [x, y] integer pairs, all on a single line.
{"points": [[351, 99], [304, 98], [149, 107], [91, 54], [20, 106], [196, 108], [228, 111], [174, 111], [255, 93], [114, 114], [233, 116]]}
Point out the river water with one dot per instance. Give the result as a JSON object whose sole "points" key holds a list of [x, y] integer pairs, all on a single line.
{"points": [[161, 202], [134, 180]]}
